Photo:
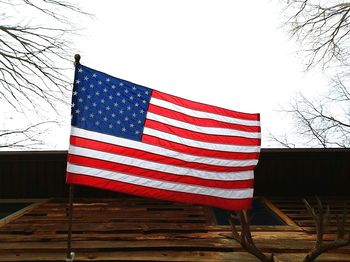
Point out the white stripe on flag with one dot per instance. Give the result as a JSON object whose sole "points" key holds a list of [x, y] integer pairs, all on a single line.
{"points": [[160, 150], [200, 144], [177, 170], [160, 184], [202, 129], [201, 114]]}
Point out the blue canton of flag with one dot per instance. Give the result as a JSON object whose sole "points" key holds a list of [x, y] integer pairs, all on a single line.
{"points": [[109, 105]]}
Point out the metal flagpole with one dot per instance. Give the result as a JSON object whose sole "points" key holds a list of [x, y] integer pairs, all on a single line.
{"points": [[70, 254]]}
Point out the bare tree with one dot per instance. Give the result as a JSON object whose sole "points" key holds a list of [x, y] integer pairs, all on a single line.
{"points": [[34, 56], [323, 121], [27, 137], [323, 29]]}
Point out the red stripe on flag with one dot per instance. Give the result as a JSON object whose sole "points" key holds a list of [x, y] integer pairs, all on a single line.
{"points": [[232, 140], [228, 204], [198, 151], [125, 151], [200, 121], [203, 107], [142, 172]]}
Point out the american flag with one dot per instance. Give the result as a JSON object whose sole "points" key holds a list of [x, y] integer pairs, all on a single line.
{"points": [[136, 140]]}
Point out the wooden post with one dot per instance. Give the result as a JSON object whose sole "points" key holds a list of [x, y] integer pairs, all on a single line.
{"points": [[70, 254]]}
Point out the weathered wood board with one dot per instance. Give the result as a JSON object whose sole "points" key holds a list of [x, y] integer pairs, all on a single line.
{"points": [[139, 229]]}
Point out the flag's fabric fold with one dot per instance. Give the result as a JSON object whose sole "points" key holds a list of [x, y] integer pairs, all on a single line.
{"points": [[136, 140]]}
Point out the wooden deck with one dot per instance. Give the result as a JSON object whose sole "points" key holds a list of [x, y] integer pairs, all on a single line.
{"points": [[139, 229]]}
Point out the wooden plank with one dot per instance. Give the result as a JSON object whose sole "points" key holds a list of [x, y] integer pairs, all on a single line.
{"points": [[326, 257], [278, 212], [155, 236], [20, 212], [173, 256], [96, 227], [22, 200], [195, 244], [257, 228], [220, 245], [110, 219], [210, 216], [144, 231], [305, 215], [108, 213], [127, 203], [327, 230]]}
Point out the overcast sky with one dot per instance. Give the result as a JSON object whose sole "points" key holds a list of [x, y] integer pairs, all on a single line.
{"points": [[232, 54]]}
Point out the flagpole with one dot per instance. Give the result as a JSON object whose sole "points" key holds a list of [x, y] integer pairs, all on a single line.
{"points": [[70, 254]]}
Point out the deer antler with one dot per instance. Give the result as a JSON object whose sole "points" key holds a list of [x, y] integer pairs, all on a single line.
{"points": [[321, 220], [245, 238]]}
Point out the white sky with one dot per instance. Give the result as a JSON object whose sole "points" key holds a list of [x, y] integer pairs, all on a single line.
{"points": [[227, 53]]}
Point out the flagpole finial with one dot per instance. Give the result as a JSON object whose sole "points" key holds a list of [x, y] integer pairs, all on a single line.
{"points": [[77, 59]]}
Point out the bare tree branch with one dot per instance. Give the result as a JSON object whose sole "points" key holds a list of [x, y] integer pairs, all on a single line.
{"points": [[32, 55], [281, 140], [27, 137], [35, 57], [323, 121], [322, 27]]}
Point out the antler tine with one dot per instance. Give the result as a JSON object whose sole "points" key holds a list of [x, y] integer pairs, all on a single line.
{"points": [[345, 221], [341, 224], [321, 247], [234, 230], [345, 215], [246, 240], [310, 209], [327, 216], [247, 231], [319, 222], [233, 215], [319, 203], [318, 218], [323, 217]]}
